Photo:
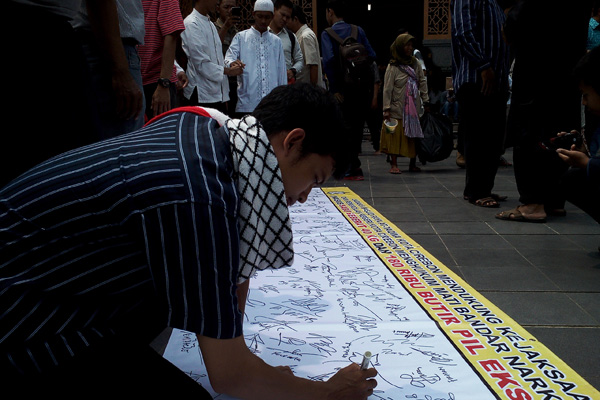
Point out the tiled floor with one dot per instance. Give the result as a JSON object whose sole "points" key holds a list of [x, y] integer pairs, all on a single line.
{"points": [[545, 276]]}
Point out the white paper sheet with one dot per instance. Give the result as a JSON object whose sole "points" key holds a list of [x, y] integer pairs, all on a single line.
{"points": [[337, 301]]}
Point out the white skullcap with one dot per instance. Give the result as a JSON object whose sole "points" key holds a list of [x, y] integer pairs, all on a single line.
{"points": [[264, 5]]}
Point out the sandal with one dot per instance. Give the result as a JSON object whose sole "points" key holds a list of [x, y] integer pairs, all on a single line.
{"points": [[486, 202], [494, 196], [516, 215], [395, 171], [414, 169], [504, 162]]}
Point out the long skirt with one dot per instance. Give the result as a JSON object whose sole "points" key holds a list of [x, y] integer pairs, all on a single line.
{"points": [[396, 143]]}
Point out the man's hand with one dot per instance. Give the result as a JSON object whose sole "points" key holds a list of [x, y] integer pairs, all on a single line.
{"points": [[230, 21], [128, 96], [352, 383], [290, 74], [182, 80], [234, 370], [161, 100], [234, 70], [574, 157], [488, 77]]}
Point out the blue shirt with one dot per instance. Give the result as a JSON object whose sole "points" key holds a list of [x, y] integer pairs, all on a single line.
{"points": [[477, 42], [593, 39], [90, 237], [330, 51]]}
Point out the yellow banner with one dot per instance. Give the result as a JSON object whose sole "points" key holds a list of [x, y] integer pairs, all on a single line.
{"points": [[509, 359]]}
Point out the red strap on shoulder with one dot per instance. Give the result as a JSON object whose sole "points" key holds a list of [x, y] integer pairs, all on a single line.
{"points": [[193, 109]]}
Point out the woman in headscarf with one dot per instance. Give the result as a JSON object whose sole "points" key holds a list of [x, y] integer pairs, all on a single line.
{"points": [[404, 92]]}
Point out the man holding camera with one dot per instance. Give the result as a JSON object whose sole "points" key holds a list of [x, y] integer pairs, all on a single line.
{"points": [[581, 183], [228, 17]]}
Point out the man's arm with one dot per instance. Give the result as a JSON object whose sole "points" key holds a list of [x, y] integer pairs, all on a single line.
{"points": [[105, 25], [282, 77], [233, 52], [310, 52], [235, 371], [297, 57], [242, 295], [195, 41], [161, 100], [314, 74]]}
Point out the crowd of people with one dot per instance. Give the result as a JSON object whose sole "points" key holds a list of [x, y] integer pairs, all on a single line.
{"points": [[128, 200], [496, 58]]}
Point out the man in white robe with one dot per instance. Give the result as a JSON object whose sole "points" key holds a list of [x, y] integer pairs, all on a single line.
{"points": [[261, 53]]}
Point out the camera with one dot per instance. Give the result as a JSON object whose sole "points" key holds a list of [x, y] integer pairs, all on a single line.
{"points": [[562, 142], [236, 11]]}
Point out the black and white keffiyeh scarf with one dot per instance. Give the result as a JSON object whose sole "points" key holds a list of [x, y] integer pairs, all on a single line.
{"points": [[264, 220]]}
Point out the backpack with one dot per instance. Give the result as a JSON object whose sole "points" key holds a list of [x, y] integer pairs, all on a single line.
{"points": [[354, 63]]}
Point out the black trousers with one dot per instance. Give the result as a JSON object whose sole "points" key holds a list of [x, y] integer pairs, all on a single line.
{"points": [[354, 109], [193, 101], [118, 369], [578, 190], [537, 171], [482, 124]]}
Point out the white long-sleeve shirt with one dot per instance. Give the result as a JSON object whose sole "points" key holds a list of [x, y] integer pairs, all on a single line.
{"points": [[205, 70], [265, 66], [293, 53]]}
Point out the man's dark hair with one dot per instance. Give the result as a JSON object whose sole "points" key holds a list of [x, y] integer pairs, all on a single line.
{"points": [[587, 69], [313, 109], [338, 6], [285, 3], [298, 12]]}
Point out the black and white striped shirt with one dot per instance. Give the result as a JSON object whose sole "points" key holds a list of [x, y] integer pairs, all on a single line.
{"points": [[90, 236], [478, 42]]}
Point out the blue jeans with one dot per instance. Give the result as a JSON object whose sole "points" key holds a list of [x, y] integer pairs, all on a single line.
{"points": [[100, 94]]}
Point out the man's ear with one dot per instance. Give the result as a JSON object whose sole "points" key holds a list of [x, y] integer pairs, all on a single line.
{"points": [[293, 140]]}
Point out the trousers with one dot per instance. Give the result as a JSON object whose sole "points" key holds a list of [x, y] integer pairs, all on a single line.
{"points": [[482, 124]]}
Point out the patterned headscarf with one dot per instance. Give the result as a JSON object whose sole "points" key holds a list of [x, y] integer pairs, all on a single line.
{"points": [[266, 239], [399, 56]]}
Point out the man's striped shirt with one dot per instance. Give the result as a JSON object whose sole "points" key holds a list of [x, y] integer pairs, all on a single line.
{"points": [[478, 42], [90, 236]]}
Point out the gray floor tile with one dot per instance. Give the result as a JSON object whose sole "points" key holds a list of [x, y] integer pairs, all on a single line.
{"points": [[589, 302], [470, 241], [463, 228], [541, 308], [484, 258], [508, 279], [582, 355], [574, 278], [414, 227]]}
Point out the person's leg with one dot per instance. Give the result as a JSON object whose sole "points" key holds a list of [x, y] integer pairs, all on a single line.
{"points": [[217, 106], [480, 117], [101, 97], [354, 118], [412, 166]]}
